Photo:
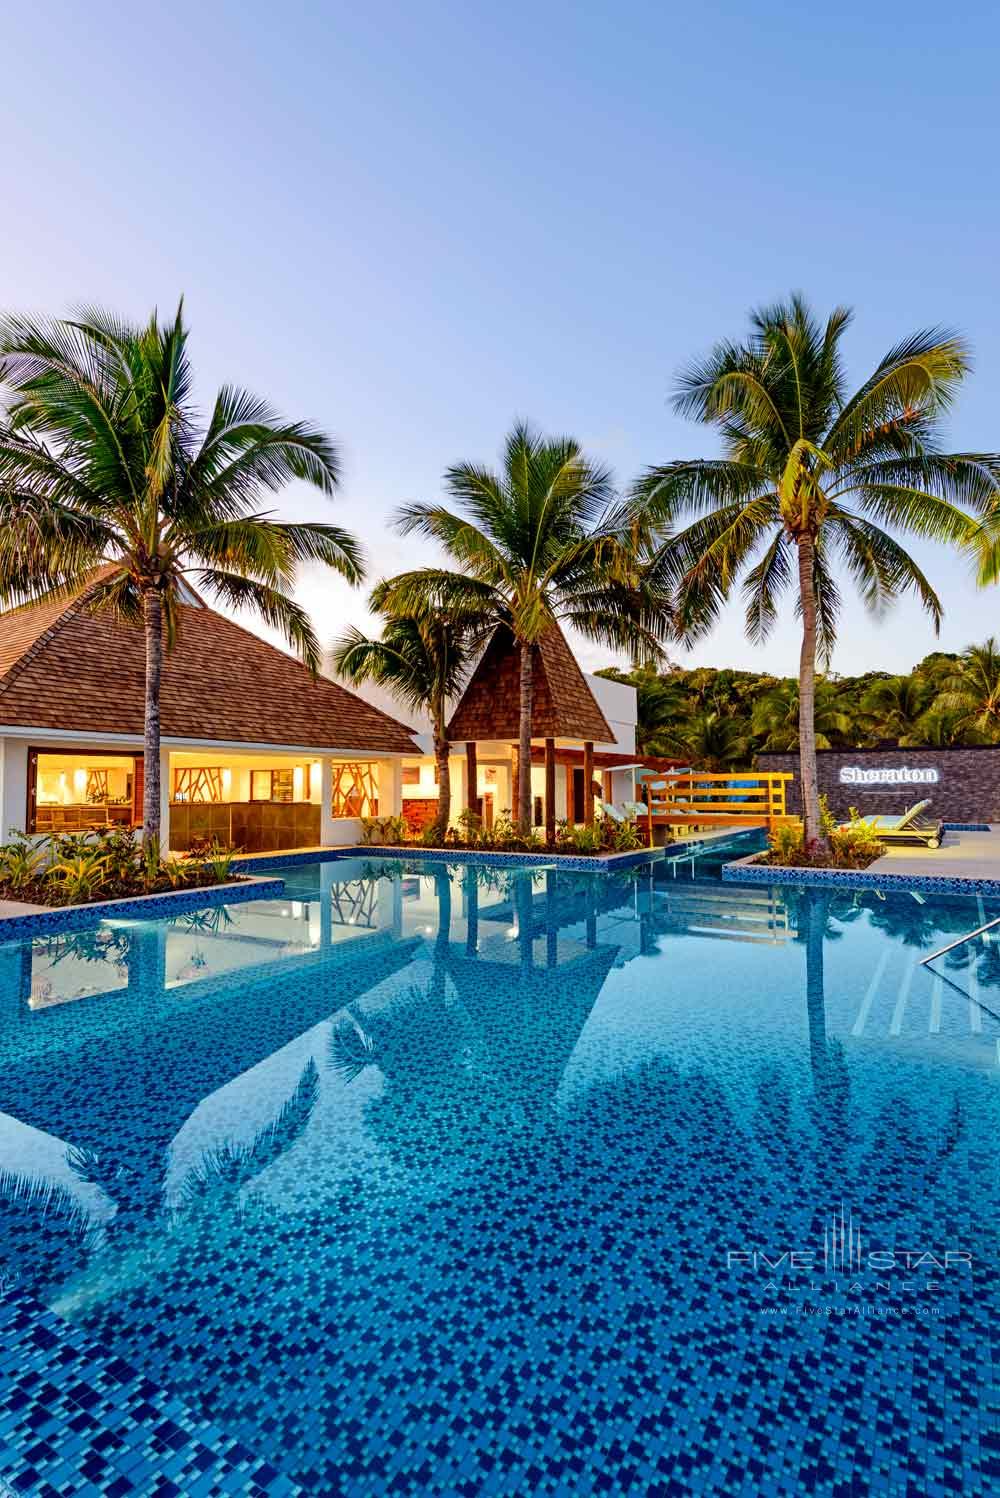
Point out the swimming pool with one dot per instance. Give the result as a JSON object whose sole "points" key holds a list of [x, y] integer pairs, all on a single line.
{"points": [[429, 1179]]}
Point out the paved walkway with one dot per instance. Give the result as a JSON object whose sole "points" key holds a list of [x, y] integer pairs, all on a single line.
{"points": [[19, 907], [962, 855]]}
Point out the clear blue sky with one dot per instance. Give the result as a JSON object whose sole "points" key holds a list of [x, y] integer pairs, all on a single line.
{"points": [[413, 223]]}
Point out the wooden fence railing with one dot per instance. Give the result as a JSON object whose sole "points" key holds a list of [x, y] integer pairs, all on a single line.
{"points": [[739, 798]]}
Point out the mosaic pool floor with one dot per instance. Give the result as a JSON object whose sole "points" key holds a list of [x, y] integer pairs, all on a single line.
{"points": [[429, 1180]]}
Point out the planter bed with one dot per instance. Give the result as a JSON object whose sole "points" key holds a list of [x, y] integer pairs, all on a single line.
{"points": [[498, 856], [137, 907], [749, 871]]}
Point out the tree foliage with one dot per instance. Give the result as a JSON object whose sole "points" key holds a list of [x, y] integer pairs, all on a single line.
{"points": [[722, 719]]}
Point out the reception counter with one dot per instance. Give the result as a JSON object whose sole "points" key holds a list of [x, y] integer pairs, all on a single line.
{"points": [[251, 826]]}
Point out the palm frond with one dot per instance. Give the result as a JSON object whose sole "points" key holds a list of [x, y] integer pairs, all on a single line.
{"points": [[273, 606]]}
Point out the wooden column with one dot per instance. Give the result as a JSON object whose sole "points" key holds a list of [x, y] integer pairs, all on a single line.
{"points": [[607, 786], [472, 778], [515, 781], [588, 783], [550, 790]]}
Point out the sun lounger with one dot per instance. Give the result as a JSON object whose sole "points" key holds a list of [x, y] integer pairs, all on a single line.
{"points": [[911, 827]]}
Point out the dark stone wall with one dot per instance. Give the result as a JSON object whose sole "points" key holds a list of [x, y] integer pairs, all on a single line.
{"points": [[967, 788]]}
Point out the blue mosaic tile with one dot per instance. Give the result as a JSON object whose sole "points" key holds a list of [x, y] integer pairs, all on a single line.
{"points": [[143, 907], [745, 871], [438, 1178]]}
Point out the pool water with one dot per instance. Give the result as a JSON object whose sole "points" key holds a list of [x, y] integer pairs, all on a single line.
{"points": [[437, 1179]]}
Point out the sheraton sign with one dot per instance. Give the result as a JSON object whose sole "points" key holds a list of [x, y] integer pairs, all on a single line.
{"points": [[888, 775]]}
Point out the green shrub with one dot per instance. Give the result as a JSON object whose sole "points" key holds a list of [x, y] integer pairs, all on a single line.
{"points": [[80, 877], [21, 862], [384, 831]]}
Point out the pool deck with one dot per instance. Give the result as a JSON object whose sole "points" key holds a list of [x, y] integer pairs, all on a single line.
{"points": [[962, 855], [967, 862]]}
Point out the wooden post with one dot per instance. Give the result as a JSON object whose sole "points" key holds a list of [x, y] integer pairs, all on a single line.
{"points": [[472, 777], [588, 783], [607, 786], [515, 780], [550, 790]]}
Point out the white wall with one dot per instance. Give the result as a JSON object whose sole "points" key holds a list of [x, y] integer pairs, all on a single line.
{"points": [[13, 786], [619, 704]]}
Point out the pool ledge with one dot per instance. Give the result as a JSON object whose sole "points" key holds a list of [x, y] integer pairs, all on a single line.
{"points": [[136, 907], [748, 871], [594, 863]]}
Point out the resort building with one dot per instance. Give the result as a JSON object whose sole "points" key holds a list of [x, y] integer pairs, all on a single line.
{"points": [[256, 751], [585, 725]]}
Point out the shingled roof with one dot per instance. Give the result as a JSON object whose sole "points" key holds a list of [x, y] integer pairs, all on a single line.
{"points": [[65, 666], [563, 706]]}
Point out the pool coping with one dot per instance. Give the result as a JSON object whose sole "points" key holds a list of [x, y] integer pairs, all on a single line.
{"points": [[747, 871], [137, 907], [597, 863]]}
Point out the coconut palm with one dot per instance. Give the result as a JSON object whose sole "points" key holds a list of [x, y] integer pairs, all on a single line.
{"points": [[811, 476], [103, 466], [972, 692], [714, 741], [543, 539], [895, 708], [421, 658], [776, 717]]}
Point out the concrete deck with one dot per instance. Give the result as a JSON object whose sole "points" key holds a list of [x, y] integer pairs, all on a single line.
{"points": [[18, 907], [962, 855]]}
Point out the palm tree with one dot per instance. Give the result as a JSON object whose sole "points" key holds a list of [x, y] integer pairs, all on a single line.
{"points": [[776, 716], [541, 540], [102, 465], [422, 658], [810, 476], [895, 708], [972, 691], [713, 741]]}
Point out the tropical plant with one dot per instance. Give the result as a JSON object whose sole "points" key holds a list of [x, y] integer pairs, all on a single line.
{"points": [[383, 830], [539, 541], [80, 878], [972, 692], [811, 475], [776, 716], [714, 741], [895, 708], [422, 658], [106, 483], [22, 861]]}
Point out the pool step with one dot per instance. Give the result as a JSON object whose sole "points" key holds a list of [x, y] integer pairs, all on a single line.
{"points": [[75, 1419]]}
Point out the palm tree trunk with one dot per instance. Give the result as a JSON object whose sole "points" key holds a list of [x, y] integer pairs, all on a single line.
{"points": [[808, 771], [524, 740], [441, 757], [152, 614]]}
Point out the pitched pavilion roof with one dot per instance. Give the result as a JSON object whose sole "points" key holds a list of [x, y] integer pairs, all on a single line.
{"points": [[64, 666], [563, 706]]}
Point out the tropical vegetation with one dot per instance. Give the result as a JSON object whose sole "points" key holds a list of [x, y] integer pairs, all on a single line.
{"points": [[813, 476], [107, 481], [948, 699], [542, 539], [503, 835], [106, 864], [421, 658]]}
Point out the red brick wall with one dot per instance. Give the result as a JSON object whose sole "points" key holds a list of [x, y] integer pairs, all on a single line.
{"points": [[419, 812]]}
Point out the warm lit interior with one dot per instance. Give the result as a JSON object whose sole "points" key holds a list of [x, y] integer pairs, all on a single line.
{"points": [[82, 789], [222, 778]]}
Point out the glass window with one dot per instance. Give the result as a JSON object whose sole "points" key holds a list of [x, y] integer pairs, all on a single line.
{"points": [[78, 790]]}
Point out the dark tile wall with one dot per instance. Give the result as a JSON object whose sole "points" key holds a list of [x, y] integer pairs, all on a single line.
{"points": [[967, 789], [251, 826]]}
